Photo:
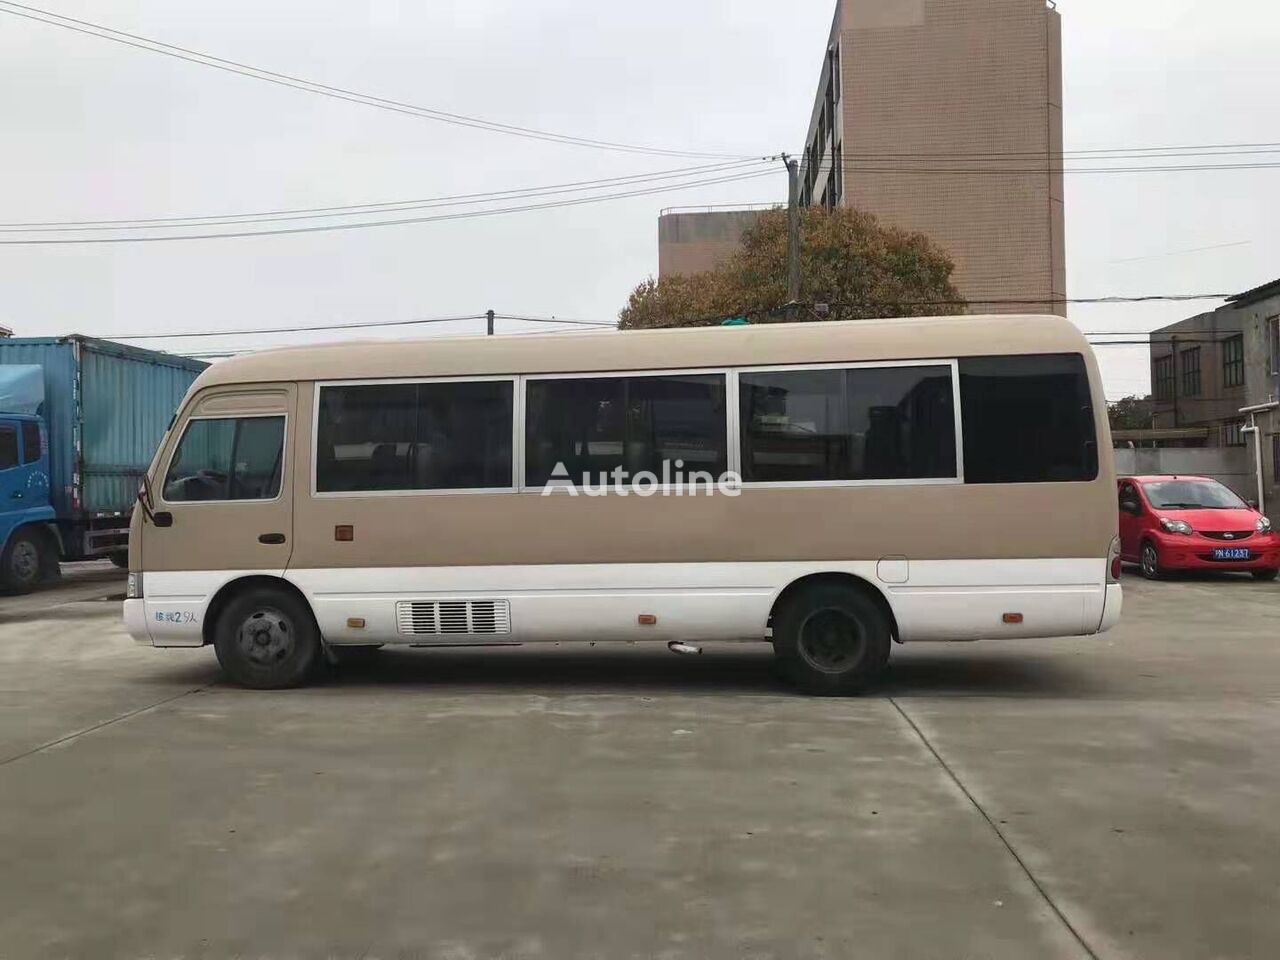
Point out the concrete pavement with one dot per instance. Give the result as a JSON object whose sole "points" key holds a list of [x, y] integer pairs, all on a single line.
{"points": [[1107, 797]]}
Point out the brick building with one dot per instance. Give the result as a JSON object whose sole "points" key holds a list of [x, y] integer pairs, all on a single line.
{"points": [[1208, 368], [938, 116]]}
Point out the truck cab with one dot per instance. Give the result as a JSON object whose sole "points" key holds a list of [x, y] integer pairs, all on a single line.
{"points": [[29, 547]]}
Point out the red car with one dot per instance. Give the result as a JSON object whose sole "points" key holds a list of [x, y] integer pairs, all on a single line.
{"points": [[1193, 523]]}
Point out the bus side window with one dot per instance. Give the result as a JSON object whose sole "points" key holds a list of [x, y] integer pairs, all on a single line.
{"points": [[1027, 419]]}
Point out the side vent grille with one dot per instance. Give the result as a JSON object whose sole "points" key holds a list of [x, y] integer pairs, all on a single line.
{"points": [[447, 618]]}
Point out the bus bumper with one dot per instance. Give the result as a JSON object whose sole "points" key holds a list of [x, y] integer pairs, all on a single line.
{"points": [[135, 621], [1111, 607]]}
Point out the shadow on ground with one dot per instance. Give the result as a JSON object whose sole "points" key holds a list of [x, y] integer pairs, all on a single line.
{"points": [[735, 671]]}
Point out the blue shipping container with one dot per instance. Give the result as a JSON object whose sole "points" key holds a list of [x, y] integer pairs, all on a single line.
{"points": [[106, 407]]}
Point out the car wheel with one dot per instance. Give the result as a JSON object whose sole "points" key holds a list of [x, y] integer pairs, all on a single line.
{"points": [[120, 558], [1265, 574], [267, 639], [831, 639], [1149, 561], [25, 561]]}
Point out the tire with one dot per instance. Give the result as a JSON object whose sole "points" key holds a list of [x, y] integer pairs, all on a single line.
{"points": [[120, 559], [1149, 561], [831, 639], [267, 639], [26, 560], [353, 656], [1265, 574]]}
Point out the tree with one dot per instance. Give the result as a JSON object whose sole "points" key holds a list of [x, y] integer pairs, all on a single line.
{"points": [[849, 260], [1131, 413]]}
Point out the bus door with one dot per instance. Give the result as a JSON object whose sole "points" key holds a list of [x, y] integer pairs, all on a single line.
{"points": [[222, 496]]}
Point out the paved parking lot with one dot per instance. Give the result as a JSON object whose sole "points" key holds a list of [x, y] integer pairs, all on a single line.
{"points": [[1107, 797]]}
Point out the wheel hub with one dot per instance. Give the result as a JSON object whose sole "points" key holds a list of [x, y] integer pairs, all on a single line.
{"points": [[266, 637], [24, 561], [831, 640]]}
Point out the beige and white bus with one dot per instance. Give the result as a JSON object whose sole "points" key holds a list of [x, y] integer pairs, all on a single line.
{"points": [[827, 487]]}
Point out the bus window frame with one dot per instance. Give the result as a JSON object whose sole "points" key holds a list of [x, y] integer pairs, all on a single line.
{"points": [[733, 433], [952, 364], [177, 448], [517, 446], [730, 404]]}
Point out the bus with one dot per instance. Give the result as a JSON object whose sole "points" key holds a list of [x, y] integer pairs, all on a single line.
{"points": [[830, 488]]}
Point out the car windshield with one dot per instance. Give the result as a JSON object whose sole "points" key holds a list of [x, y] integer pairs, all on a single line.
{"points": [[1192, 494]]}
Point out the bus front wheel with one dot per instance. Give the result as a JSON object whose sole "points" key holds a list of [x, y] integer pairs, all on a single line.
{"points": [[267, 639], [831, 639]]}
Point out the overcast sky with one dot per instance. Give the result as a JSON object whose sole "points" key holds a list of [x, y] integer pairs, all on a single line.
{"points": [[93, 130]]}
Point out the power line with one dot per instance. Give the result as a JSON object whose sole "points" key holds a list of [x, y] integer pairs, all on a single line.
{"points": [[853, 168], [1209, 149], [585, 323], [339, 93], [1047, 301], [305, 213], [353, 326], [731, 178], [306, 329], [529, 318]]}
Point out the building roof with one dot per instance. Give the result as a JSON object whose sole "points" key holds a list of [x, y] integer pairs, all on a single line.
{"points": [[1271, 289], [834, 341]]}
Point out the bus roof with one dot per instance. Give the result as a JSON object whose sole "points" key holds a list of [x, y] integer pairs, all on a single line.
{"points": [[844, 341]]}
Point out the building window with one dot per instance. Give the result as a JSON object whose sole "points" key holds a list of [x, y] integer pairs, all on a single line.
{"points": [[889, 423], [595, 425], [227, 458], [1027, 419], [837, 171], [1273, 345], [1233, 435], [1162, 377], [1190, 361], [1233, 361], [415, 436]]}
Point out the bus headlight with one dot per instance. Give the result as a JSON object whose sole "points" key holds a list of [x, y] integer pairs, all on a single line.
{"points": [[1175, 526], [133, 587], [1264, 525]]}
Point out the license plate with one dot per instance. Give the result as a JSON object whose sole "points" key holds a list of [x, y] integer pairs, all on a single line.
{"points": [[1231, 553]]}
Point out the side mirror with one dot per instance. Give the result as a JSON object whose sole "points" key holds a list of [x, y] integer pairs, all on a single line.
{"points": [[1130, 506], [1252, 503]]}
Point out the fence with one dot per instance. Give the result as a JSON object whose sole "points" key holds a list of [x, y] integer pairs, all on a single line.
{"points": [[1232, 466]]}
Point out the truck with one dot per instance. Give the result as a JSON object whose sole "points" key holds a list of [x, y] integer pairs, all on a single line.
{"points": [[80, 419]]}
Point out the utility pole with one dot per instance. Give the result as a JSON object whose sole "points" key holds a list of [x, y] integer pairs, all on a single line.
{"points": [[1173, 345], [489, 327], [793, 234]]}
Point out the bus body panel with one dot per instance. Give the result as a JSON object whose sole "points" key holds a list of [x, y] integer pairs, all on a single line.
{"points": [[944, 600]]}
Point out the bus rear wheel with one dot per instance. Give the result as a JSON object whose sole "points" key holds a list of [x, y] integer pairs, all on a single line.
{"points": [[267, 639], [831, 639]]}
